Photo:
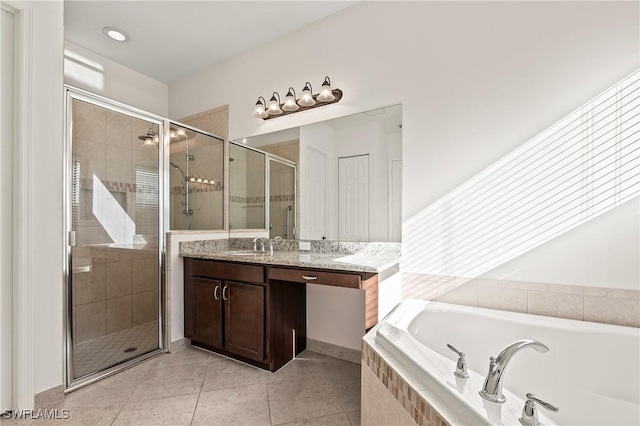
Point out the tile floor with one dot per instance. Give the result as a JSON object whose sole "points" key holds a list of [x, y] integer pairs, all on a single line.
{"points": [[195, 387], [106, 351]]}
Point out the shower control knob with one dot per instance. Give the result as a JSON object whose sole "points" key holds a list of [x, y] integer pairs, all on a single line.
{"points": [[461, 365]]}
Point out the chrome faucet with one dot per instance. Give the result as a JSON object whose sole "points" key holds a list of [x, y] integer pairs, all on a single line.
{"points": [[492, 387], [255, 244]]}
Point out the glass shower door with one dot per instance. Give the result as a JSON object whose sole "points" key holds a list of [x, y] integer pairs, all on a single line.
{"points": [[113, 303], [282, 199]]}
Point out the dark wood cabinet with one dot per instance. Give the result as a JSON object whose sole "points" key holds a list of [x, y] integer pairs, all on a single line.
{"points": [[258, 313], [244, 319], [207, 311]]}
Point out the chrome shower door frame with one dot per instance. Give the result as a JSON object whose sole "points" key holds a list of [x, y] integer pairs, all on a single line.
{"points": [[71, 94]]}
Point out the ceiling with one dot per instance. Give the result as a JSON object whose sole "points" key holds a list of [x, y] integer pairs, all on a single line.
{"points": [[170, 40]]}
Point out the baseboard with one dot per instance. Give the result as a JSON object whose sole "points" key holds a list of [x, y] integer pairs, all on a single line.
{"points": [[49, 397], [335, 351]]}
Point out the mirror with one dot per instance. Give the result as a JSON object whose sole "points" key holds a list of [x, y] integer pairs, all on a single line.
{"points": [[196, 179], [348, 178], [246, 188]]}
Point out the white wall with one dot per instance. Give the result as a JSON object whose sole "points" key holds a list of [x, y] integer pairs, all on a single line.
{"points": [[6, 209], [45, 218], [475, 79], [88, 70]]}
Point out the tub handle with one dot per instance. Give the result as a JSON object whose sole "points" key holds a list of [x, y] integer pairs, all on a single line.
{"points": [[529, 415], [461, 365]]}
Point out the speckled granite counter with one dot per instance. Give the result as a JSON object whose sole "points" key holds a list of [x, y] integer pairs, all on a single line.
{"points": [[330, 255]]}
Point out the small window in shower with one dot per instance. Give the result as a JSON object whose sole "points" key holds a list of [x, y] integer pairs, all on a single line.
{"points": [[196, 180]]}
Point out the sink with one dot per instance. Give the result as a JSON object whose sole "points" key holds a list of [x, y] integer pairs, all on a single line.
{"points": [[244, 253]]}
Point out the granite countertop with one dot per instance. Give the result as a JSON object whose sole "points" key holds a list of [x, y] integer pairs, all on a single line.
{"points": [[371, 257]]}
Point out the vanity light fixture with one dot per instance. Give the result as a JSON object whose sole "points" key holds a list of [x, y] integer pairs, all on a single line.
{"points": [[274, 105], [307, 101], [115, 34]]}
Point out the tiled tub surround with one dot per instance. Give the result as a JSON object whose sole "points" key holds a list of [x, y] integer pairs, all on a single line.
{"points": [[407, 370], [324, 254], [594, 304]]}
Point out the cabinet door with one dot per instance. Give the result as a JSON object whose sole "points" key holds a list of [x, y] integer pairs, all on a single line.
{"points": [[207, 311], [244, 319]]}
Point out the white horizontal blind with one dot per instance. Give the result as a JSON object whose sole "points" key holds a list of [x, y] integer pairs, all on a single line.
{"points": [[147, 209], [581, 167]]}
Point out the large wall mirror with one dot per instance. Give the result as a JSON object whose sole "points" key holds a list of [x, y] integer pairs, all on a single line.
{"points": [[339, 179]]}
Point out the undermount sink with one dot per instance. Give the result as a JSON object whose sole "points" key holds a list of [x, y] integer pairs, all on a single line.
{"points": [[244, 253]]}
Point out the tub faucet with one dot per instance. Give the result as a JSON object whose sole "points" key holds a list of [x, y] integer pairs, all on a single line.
{"points": [[492, 387]]}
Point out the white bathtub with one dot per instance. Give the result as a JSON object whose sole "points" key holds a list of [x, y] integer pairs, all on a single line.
{"points": [[591, 372]]}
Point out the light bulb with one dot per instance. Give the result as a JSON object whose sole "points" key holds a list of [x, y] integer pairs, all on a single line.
{"points": [[290, 101], [307, 98], [192, 179], [259, 111], [274, 106], [199, 179], [149, 142], [325, 94], [205, 180]]}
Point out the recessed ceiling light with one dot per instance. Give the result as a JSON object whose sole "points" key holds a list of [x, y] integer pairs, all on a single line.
{"points": [[115, 34]]}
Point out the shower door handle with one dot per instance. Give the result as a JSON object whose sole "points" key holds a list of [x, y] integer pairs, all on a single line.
{"points": [[215, 292], [72, 238]]}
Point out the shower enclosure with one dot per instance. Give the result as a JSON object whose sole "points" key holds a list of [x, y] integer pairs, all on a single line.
{"points": [[114, 220], [282, 198]]}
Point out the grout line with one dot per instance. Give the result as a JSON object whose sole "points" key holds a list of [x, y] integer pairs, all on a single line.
{"points": [[117, 415]]}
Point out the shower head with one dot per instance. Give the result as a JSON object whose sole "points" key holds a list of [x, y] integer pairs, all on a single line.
{"points": [[175, 166]]}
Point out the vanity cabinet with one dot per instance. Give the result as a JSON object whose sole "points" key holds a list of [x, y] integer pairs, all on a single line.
{"points": [[231, 308], [221, 312]]}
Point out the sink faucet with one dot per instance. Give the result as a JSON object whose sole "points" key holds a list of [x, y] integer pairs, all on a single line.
{"points": [[492, 387], [255, 244]]}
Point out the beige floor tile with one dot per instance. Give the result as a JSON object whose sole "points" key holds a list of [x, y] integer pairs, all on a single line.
{"points": [[84, 416], [299, 399], [183, 357], [175, 410], [297, 368], [245, 405], [354, 417], [340, 419], [15, 422], [171, 381], [227, 373], [114, 390]]}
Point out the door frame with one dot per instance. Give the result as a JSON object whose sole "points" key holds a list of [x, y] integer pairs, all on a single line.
{"points": [[73, 93]]}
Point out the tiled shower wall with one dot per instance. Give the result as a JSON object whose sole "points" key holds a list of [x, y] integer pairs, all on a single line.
{"points": [[113, 289], [595, 304]]}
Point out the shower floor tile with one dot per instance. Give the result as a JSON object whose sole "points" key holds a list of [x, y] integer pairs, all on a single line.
{"points": [[103, 352]]}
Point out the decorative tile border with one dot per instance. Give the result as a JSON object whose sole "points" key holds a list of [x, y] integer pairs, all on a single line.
{"points": [[423, 413]]}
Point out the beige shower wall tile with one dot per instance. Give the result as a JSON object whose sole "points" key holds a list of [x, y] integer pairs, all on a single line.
{"points": [[612, 311], [504, 299], [91, 158], [118, 165], [556, 305], [145, 307], [576, 289], [89, 286], [118, 279], [623, 294], [145, 274], [89, 321], [88, 121], [119, 314], [118, 129]]}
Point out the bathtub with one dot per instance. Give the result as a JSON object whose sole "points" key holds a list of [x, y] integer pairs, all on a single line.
{"points": [[591, 371]]}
